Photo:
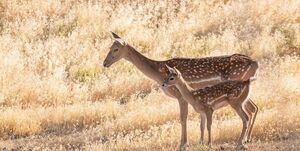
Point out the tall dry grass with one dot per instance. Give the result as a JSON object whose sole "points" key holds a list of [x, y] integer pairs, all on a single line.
{"points": [[55, 94]]}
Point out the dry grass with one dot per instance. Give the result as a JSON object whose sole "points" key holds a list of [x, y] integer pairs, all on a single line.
{"points": [[56, 95]]}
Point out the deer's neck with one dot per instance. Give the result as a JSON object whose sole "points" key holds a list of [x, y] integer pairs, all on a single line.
{"points": [[148, 66], [186, 92]]}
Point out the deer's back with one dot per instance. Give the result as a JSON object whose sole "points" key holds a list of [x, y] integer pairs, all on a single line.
{"points": [[204, 68]]}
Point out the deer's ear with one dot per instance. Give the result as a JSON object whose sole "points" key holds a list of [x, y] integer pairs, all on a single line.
{"points": [[121, 41], [118, 39], [115, 35]]}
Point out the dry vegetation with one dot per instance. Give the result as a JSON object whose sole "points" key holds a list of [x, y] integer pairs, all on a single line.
{"points": [[56, 95]]}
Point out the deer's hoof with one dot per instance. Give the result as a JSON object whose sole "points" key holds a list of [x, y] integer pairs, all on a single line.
{"points": [[241, 147], [224, 146], [201, 142], [248, 140], [182, 147]]}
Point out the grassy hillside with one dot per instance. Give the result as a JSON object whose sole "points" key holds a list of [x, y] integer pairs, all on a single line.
{"points": [[56, 95]]}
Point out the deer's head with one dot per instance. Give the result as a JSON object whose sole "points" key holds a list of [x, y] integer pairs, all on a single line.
{"points": [[173, 78], [116, 51]]}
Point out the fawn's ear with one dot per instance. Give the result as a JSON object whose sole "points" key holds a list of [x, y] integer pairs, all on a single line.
{"points": [[177, 71], [118, 39], [171, 70]]}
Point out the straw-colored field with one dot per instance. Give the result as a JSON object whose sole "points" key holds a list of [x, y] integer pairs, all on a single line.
{"points": [[55, 94]]}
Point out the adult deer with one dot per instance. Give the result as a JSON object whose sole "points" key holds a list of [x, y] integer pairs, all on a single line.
{"points": [[207, 100], [198, 72]]}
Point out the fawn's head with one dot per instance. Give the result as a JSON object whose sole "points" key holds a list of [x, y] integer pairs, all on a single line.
{"points": [[116, 51], [173, 78]]}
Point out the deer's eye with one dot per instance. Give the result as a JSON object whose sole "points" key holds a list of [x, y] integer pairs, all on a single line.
{"points": [[115, 50], [171, 78]]}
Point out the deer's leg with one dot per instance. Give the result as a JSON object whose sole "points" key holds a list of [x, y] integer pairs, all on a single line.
{"points": [[183, 120], [209, 123], [183, 106], [202, 126], [253, 109]]}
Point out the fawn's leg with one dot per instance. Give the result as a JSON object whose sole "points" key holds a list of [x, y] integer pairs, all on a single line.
{"points": [[183, 120], [253, 109], [247, 111], [239, 110], [209, 123], [202, 126]]}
